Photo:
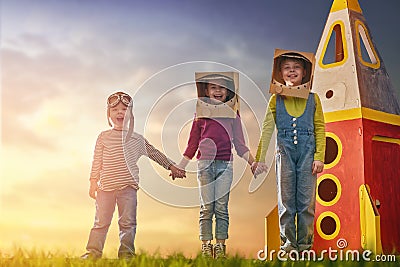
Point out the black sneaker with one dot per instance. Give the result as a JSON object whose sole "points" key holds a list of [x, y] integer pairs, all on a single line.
{"points": [[219, 251], [90, 256], [126, 256], [207, 250]]}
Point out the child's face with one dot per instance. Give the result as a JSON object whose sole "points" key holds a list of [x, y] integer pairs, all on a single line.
{"points": [[216, 90], [117, 115], [292, 72]]}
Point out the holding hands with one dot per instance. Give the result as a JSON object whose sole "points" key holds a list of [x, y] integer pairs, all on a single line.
{"points": [[258, 168], [177, 172]]}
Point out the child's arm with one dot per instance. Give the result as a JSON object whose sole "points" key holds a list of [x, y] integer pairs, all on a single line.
{"points": [[192, 146], [97, 165], [248, 157], [184, 162], [194, 140], [243, 150], [238, 140], [268, 127], [157, 156], [320, 141], [93, 188], [161, 159]]}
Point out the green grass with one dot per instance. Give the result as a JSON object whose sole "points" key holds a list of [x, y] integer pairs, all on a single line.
{"points": [[21, 258]]}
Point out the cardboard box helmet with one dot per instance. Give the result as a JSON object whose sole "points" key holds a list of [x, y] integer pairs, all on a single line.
{"points": [[206, 107], [278, 86]]}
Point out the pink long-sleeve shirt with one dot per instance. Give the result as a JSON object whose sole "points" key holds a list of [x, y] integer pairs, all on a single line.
{"points": [[213, 138]]}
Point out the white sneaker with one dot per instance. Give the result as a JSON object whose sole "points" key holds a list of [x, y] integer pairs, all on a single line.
{"points": [[207, 250], [219, 251]]}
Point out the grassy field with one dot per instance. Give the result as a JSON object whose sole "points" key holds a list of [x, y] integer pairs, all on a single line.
{"points": [[22, 258]]}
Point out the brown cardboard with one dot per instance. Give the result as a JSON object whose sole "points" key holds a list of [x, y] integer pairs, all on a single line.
{"points": [[277, 85], [205, 109]]}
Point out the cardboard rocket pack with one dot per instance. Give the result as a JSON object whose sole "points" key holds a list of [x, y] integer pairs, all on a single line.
{"points": [[278, 85], [205, 108]]}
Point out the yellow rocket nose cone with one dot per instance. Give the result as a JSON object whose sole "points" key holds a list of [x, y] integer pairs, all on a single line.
{"points": [[343, 4]]}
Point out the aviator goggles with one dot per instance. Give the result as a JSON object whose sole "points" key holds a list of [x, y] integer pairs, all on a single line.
{"points": [[114, 99]]}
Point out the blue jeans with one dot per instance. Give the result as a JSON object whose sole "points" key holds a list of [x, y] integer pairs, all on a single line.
{"points": [[296, 190], [215, 179], [126, 200]]}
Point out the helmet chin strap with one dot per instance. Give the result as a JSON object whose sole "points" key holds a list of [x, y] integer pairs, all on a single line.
{"points": [[108, 117], [131, 121], [131, 124]]}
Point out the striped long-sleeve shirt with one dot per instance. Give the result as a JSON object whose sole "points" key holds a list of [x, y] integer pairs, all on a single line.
{"points": [[115, 164]]}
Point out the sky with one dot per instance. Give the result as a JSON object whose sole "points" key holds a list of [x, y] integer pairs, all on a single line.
{"points": [[61, 59]]}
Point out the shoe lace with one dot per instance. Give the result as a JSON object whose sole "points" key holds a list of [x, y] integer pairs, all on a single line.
{"points": [[219, 250], [206, 249]]}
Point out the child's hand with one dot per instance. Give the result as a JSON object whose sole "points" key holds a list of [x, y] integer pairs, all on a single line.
{"points": [[93, 189], [258, 168], [317, 166], [176, 172]]}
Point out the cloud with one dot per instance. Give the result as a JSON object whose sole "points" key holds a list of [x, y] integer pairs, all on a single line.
{"points": [[55, 185], [60, 60]]}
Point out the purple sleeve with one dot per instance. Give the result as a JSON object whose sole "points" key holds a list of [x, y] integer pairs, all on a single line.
{"points": [[194, 139], [238, 138]]}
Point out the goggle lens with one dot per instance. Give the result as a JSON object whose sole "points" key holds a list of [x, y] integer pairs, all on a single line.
{"points": [[114, 99]]}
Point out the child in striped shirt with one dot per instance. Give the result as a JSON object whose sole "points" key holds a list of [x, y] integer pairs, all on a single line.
{"points": [[114, 177]]}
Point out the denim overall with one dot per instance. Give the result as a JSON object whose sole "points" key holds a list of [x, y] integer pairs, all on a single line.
{"points": [[295, 181]]}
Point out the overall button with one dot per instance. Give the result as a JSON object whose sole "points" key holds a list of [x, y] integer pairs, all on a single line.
{"points": [[294, 124], [295, 137], [295, 142], [294, 131], [294, 119]]}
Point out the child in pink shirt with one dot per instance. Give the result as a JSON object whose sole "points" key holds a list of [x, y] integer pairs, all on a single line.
{"points": [[212, 139]]}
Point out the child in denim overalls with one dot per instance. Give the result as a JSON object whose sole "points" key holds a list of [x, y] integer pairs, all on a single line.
{"points": [[300, 148]]}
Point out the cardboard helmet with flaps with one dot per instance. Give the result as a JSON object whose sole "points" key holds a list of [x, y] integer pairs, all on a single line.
{"points": [[205, 108], [278, 85]]}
